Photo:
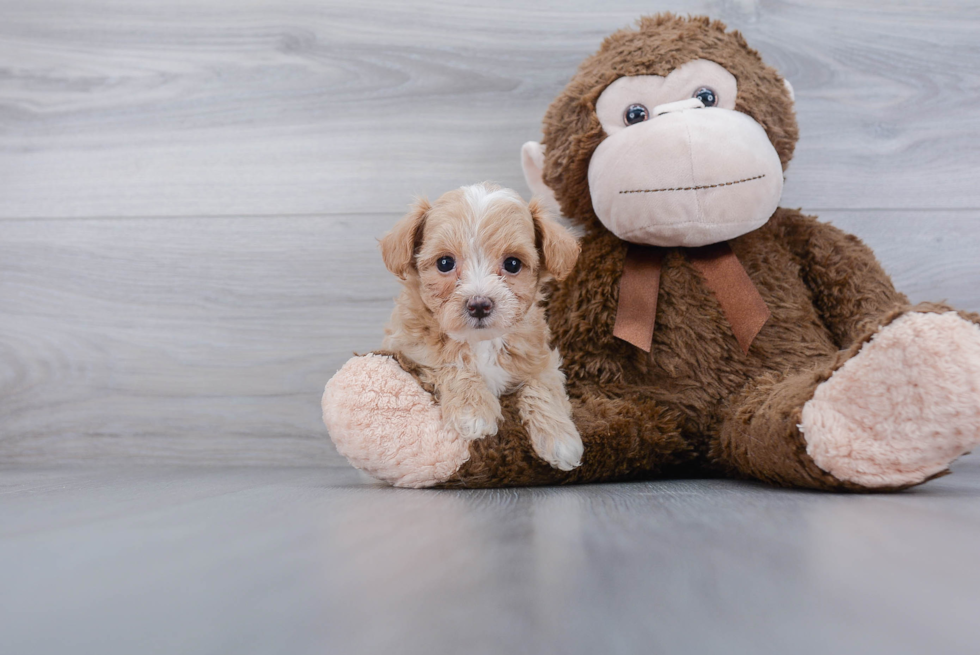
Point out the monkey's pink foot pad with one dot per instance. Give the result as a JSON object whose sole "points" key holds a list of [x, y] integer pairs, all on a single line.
{"points": [[903, 408], [384, 423]]}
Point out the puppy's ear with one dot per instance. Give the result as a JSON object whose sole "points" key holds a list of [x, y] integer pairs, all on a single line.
{"points": [[559, 249], [399, 245]]}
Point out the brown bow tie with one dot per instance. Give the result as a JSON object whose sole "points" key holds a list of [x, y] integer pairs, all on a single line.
{"points": [[744, 308]]}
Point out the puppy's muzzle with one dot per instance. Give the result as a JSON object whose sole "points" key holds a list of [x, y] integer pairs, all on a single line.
{"points": [[479, 307]]}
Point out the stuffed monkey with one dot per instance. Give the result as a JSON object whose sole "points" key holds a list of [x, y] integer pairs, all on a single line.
{"points": [[704, 330]]}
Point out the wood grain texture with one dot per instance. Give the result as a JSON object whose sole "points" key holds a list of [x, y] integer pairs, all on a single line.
{"points": [[190, 191], [266, 560], [209, 340], [189, 197], [189, 338], [111, 108]]}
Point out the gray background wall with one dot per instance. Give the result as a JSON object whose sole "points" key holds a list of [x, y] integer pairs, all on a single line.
{"points": [[190, 191]]}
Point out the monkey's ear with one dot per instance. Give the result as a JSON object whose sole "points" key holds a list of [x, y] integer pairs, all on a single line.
{"points": [[789, 87], [558, 247], [532, 161], [398, 246]]}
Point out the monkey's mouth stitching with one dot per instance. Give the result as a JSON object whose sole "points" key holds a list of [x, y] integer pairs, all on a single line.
{"points": [[695, 188]]}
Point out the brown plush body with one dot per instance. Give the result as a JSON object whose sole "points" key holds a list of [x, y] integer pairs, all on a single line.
{"points": [[696, 404]]}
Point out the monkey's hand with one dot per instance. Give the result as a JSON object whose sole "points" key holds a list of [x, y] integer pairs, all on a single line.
{"points": [[384, 423]]}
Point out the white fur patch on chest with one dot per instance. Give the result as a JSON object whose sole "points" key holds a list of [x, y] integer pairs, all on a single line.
{"points": [[486, 357]]}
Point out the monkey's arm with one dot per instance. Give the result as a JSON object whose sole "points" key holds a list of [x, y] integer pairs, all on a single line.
{"points": [[388, 424], [851, 291], [625, 436]]}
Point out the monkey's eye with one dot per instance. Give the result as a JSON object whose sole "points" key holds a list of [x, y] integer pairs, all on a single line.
{"points": [[512, 265], [445, 264], [635, 114], [707, 96]]}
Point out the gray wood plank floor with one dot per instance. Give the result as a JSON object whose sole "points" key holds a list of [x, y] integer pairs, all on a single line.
{"points": [[189, 197], [311, 560]]}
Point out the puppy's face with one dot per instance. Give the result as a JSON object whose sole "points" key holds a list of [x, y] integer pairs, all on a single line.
{"points": [[480, 253], [477, 262]]}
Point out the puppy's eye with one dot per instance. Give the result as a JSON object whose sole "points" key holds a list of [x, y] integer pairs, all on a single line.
{"points": [[635, 114], [707, 96], [512, 265], [445, 264]]}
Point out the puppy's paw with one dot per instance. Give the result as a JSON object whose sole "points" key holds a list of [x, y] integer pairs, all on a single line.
{"points": [[471, 423], [560, 445]]}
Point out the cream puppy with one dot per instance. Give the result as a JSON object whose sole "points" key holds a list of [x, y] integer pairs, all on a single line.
{"points": [[470, 314]]}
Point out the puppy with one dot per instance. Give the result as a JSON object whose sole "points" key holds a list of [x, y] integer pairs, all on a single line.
{"points": [[470, 313]]}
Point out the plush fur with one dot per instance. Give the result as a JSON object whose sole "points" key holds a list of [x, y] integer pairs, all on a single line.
{"points": [[887, 394], [696, 403], [660, 44], [901, 410], [372, 398]]}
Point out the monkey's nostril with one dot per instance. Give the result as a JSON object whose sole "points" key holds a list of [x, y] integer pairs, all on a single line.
{"points": [[479, 306]]}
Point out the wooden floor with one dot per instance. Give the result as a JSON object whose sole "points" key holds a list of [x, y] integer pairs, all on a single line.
{"points": [[312, 560], [190, 194]]}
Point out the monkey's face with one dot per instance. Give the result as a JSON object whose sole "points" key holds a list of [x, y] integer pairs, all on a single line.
{"points": [[679, 166]]}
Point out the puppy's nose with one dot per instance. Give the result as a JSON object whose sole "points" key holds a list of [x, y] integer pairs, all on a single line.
{"points": [[479, 306]]}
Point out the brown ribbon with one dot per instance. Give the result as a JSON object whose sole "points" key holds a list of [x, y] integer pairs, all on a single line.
{"points": [[740, 301], [638, 290]]}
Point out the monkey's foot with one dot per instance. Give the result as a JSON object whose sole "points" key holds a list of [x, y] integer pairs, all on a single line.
{"points": [[384, 423], [903, 408]]}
